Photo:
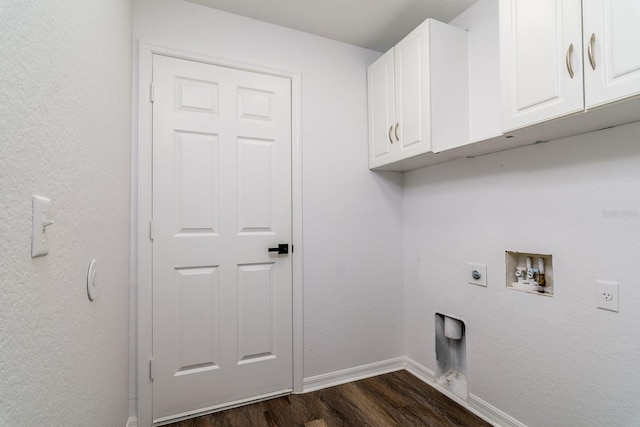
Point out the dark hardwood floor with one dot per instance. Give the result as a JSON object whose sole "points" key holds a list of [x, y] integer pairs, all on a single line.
{"points": [[395, 399]]}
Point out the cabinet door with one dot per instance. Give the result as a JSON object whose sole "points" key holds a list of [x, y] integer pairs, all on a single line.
{"points": [[541, 64], [612, 55], [381, 110], [412, 93]]}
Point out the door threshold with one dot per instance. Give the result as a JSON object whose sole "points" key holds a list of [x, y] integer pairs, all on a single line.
{"points": [[217, 408]]}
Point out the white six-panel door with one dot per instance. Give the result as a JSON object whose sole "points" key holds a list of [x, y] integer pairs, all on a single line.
{"points": [[222, 307]]}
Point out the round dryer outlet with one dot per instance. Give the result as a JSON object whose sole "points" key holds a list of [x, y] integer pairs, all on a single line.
{"points": [[92, 281]]}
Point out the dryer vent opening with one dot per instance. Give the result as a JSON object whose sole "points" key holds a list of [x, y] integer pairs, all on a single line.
{"points": [[451, 357]]}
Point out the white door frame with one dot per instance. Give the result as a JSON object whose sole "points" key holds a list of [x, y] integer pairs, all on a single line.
{"points": [[143, 152]]}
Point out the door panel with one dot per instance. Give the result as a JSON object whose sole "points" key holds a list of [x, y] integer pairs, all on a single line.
{"points": [[196, 182], [221, 197], [196, 96], [255, 309], [255, 191], [196, 319]]}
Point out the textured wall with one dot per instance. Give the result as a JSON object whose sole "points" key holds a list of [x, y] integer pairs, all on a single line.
{"points": [[65, 114], [352, 217], [545, 361]]}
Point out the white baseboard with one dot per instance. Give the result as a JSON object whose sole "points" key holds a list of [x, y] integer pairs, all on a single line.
{"points": [[353, 374], [484, 410], [492, 413], [479, 407], [487, 412], [426, 375]]}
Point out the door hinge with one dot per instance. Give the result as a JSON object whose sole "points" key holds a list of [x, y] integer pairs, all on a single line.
{"points": [[151, 92], [150, 229], [151, 368]]}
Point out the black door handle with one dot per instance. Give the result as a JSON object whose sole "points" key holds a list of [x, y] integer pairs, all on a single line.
{"points": [[282, 249]]}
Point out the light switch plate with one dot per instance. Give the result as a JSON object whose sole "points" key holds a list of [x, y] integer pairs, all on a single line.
{"points": [[607, 295], [473, 270], [40, 219]]}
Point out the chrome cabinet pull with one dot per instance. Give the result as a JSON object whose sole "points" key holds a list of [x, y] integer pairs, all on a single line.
{"points": [[390, 137], [592, 59], [396, 132], [569, 59]]}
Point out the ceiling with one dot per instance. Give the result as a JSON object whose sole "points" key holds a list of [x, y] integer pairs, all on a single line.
{"points": [[372, 24]]}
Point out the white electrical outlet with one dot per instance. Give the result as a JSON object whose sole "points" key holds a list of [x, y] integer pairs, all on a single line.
{"points": [[477, 274], [607, 295]]}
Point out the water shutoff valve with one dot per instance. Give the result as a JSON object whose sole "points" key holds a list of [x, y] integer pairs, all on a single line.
{"points": [[529, 272]]}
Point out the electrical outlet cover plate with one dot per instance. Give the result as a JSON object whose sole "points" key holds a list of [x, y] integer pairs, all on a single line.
{"points": [[607, 295], [480, 268]]}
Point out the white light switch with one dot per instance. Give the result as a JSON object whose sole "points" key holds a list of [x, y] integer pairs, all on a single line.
{"points": [[40, 222]]}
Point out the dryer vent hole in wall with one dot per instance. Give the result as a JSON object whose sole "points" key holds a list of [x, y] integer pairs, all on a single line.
{"points": [[529, 272], [451, 356]]}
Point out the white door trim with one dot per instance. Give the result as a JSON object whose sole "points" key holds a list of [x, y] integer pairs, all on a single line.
{"points": [[142, 212]]}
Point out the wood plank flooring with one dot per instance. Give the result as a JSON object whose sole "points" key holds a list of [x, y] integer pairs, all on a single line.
{"points": [[395, 399]]}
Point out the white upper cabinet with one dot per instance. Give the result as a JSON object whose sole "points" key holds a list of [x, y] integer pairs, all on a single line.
{"points": [[382, 114], [559, 57], [501, 75], [541, 64], [611, 51], [412, 93], [418, 97]]}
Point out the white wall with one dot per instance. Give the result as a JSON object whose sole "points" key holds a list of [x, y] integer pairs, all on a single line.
{"points": [[65, 114], [544, 361], [353, 303]]}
